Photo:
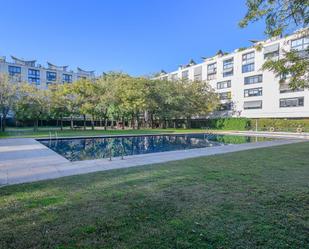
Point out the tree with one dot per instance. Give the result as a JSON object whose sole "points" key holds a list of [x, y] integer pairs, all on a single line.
{"points": [[283, 16], [59, 102], [163, 101], [198, 99], [292, 67], [106, 88], [31, 104], [132, 98], [87, 98], [7, 98], [279, 15]]}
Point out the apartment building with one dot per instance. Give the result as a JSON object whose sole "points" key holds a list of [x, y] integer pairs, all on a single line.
{"points": [[245, 90], [20, 70]]}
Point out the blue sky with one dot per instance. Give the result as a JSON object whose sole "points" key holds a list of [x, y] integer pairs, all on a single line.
{"points": [[139, 37]]}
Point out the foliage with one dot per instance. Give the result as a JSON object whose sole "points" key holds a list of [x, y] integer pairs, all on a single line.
{"points": [[282, 16], [292, 67], [281, 124], [223, 123], [279, 15], [31, 104], [116, 97], [59, 102], [7, 98]]}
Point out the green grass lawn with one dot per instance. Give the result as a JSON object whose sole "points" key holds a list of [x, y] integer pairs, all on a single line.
{"points": [[250, 199], [45, 132]]}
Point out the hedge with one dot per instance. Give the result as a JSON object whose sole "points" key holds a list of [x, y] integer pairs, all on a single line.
{"points": [[281, 124], [264, 124], [222, 123]]}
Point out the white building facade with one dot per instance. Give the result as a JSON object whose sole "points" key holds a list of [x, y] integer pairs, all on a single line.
{"points": [[20, 70], [245, 90]]}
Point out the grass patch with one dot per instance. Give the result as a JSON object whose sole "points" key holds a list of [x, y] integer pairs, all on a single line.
{"points": [[250, 199]]}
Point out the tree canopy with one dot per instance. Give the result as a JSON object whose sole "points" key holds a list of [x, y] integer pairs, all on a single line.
{"points": [[282, 17], [115, 97]]}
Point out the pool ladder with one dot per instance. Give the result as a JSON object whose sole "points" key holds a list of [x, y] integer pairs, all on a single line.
{"points": [[110, 152], [50, 135]]}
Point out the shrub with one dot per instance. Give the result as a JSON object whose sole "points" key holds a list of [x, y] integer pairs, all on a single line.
{"points": [[241, 124], [281, 124], [223, 123]]}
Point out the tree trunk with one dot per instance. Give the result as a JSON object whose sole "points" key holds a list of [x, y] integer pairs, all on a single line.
{"points": [[84, 122], [188, 122], [129, 123], [72, 123], [3, 123], [101, 124], [122, 119], [105, 124], [35, 125], [92, 122], [61, 123], [152, 121], [137, 121]]}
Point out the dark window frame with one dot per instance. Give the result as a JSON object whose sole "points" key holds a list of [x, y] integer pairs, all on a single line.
{"points": [[300, 102], [258, 90]]}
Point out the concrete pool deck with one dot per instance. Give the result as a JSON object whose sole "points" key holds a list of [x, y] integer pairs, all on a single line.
{"points": [[27, 160]]}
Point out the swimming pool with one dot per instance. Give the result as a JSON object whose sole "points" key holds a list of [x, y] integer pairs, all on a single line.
{"points": [[78, 149]]}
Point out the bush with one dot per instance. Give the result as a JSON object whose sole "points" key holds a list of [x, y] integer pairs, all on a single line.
{"points": [[241, 124], [281, 124], [223, 123]]}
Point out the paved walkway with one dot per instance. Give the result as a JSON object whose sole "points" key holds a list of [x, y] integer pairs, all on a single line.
{"points": [[26, 160]]}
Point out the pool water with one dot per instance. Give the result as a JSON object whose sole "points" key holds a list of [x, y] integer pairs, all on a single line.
{"points": [[78, 149]]}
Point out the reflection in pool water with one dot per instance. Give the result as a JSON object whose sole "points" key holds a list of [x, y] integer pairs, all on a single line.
{"points": [[95, 148]]}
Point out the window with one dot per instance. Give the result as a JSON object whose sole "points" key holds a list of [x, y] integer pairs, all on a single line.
{"points": [[185, 75], [14, 70], [248, 58], [225, 107], [211, 71], [248, 68], [33, 73], [248, 105], [225, 95], [253, 92], [34, 76], [51, 76], [253, 79], [285, 88], [224, 84], [14, 73], [271, 52], [292, 102], [272, 56], [67, 78], [300, 44], [228, 67], [248, 62], [198, 73]]}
